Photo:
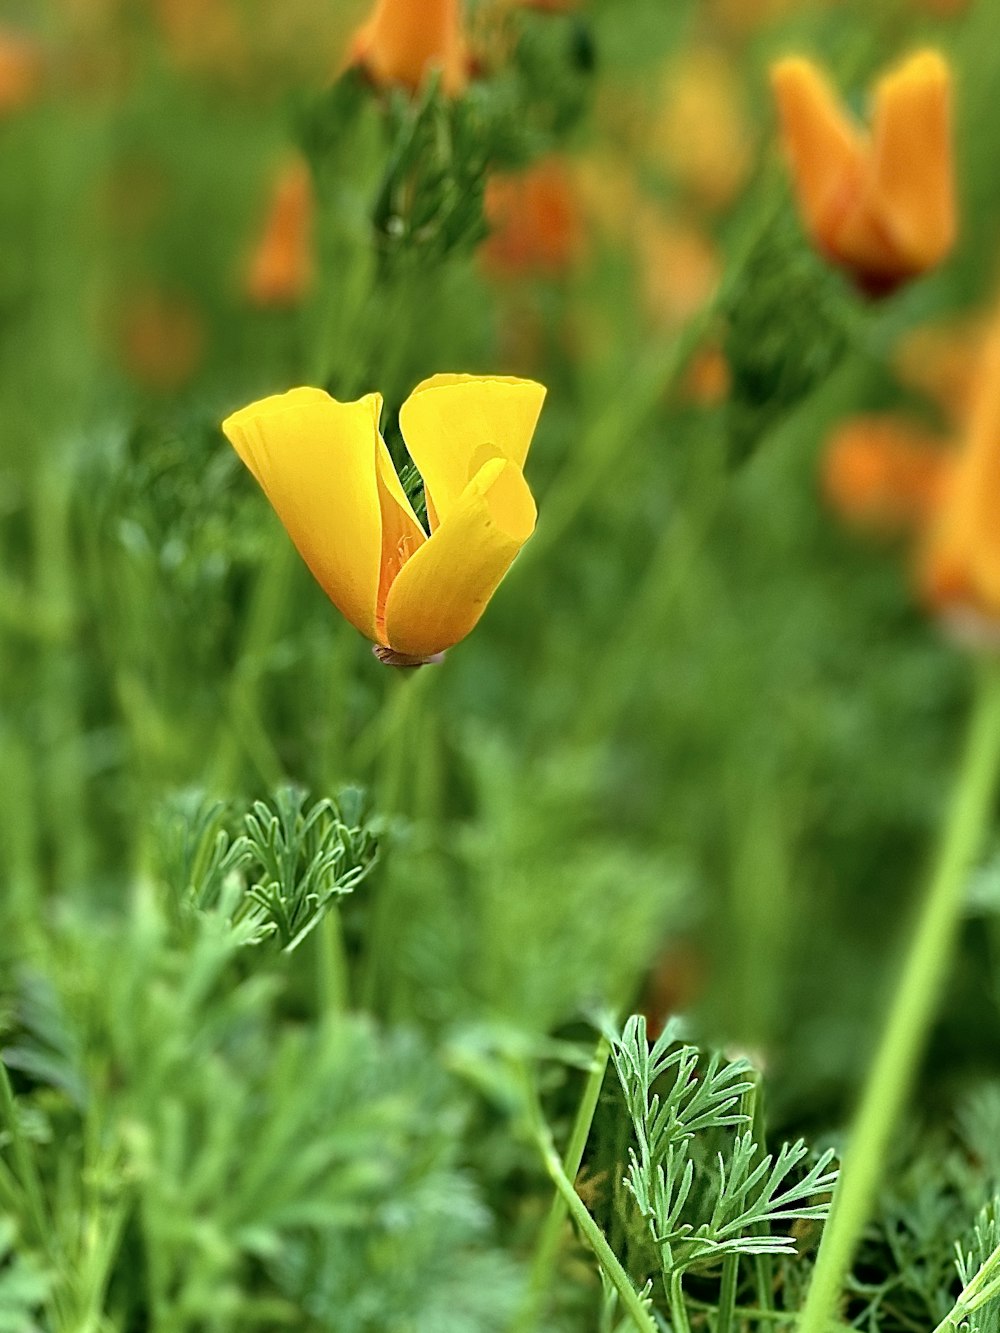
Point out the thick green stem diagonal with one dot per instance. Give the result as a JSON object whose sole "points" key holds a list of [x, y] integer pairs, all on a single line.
{"points": [[912, 1008]]}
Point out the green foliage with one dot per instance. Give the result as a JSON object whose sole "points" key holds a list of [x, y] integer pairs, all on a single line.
{"points": [[270, 1062], [280, 876], [23, 1286], [697, 1211], [228, 1163]]}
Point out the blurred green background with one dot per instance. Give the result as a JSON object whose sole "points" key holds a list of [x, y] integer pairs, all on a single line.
{"points": [[695, 753]]}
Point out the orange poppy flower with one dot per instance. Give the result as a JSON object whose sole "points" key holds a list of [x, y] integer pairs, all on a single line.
{"points": [[282, 266], [20, 71], [881, 205], [405, 39], [882, 473], [960, 568], [535, 220]]}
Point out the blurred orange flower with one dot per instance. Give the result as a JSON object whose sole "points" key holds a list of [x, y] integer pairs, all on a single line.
{"points": [[404, 40], [702, 131], [881, 205], [939, 359], [679, 266], [741, 17], [282, 265], [960, 570], [21, 69], [205, 36], [885, 474], [708, 379], [535, 220], [162, 340]]}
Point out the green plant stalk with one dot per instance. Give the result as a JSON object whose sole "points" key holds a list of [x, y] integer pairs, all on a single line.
{"points": [[592, 1234], [24, 1165], [763, 1264], [982, 1287], [268, 609], [913, 1006], [397, 762], [548, 1244], [678, 1307], [332, 991], [727, 1293]]}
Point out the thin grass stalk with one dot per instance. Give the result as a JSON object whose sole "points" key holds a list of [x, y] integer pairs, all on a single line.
{"points": [[913, 1005], [548, 1244]]}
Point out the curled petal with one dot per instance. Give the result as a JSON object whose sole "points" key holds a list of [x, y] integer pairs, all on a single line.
{"points": [[827, 151], [453, 424], [912, 189], [316, 461], [441, 592]]}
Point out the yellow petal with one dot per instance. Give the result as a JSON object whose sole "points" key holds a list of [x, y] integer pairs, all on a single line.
{"points": [[402, 535], [912, 183], [827, 152], [443, 590], [453, 424], [316, 461]]}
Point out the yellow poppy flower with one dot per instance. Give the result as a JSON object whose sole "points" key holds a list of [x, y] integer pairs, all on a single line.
{"points": [[882, 205], [326, 470]]}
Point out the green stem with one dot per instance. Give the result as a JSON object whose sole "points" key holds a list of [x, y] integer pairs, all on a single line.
{"points": [[397, 763], [913, 1006], [592, 1234], [678, 1306], [332, 991], [727, 1293], [24, 1164], [243, 712], [548, 1245], [763, 1264], [747, 1313]]}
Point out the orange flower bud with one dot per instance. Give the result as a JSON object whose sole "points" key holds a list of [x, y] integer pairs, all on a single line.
{"points": [[282, 267], [535, 220], [405, 39], [881, 205], [883, 474]]}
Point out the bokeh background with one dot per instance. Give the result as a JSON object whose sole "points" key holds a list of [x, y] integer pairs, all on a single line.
{"points": [[694, 756]]}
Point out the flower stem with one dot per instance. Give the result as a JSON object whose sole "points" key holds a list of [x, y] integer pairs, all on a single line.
{"points": [[396, 764], [548, 1245], [912, 1008], [593, 1235]]}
